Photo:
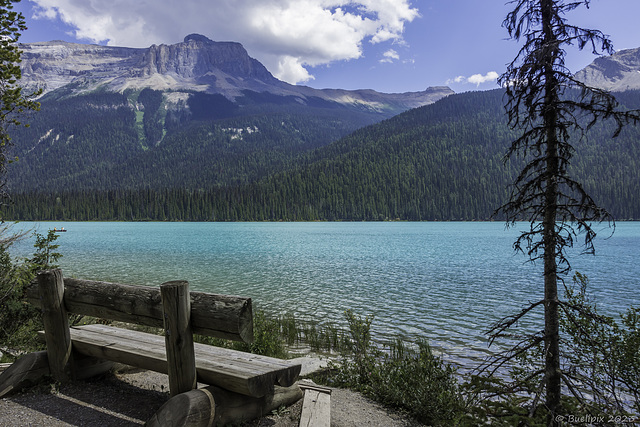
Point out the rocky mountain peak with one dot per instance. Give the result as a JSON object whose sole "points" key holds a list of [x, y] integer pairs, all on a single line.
{"points": [[197, 64], [617, 73], [200, 58], [197, 38]]}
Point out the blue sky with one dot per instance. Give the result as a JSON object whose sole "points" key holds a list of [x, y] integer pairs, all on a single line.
{"points": [[385, 45]]}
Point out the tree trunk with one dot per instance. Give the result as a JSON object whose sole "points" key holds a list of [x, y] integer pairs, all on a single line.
{"points": [[551, 328]]}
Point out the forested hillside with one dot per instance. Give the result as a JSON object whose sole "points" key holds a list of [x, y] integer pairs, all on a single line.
{"points": [[136, 140], [439, 162]]}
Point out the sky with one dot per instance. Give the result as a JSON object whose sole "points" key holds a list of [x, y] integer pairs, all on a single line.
{"points": [[391, 46]]}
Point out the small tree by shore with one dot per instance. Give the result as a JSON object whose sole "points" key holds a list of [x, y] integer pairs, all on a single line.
{"points": [[19, 320]]}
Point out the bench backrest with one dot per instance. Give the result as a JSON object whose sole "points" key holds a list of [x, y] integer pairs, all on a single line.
{"points": [[212, 315], [179, 312]]}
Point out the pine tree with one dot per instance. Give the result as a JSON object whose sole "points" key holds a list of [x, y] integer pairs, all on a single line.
{"points": [[548, 105], [13, 101]]}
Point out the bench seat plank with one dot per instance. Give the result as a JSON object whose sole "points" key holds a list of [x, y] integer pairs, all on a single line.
{"points": [[286, 372], [233, 370]]}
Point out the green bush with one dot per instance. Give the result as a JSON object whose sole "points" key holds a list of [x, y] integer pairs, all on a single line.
{"points": [[45, 257], [602, 355], [19, 320], [266, 337], [409, 378]]}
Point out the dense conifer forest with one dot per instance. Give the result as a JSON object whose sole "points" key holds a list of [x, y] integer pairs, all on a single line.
{"points": [[439, 162], [104, 141]]}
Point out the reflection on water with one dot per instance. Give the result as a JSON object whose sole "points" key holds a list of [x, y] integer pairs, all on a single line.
{"points": [[445, 281]]}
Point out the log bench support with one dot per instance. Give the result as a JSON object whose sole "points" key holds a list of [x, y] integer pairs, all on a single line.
{"points": [[56, 324], [239, 379], [213, 405], [181, 357]]}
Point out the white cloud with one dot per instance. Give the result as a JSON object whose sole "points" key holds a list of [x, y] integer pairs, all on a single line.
{"points": [[286, 35], [390, 56], [476, 79], [459, 79], [290, 69]]}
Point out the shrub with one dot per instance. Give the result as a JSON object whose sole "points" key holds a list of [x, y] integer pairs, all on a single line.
{"points": [[409, 378], [18, 320], [602, 356], [600, 367]]}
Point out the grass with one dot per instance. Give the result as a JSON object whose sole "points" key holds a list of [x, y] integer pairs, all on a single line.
{"points": [[319, 338], [405, 376], [282, 336]]}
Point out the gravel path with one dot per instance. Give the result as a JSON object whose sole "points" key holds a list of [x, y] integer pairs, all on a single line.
{"points": [[131, 397]]}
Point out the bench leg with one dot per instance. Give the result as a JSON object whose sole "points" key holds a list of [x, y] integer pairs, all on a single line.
{"points": [[181, 359], [316, 407], [56, 323], [213, 405]]}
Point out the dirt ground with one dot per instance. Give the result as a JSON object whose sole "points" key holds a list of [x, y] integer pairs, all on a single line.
{"points": [[130, 397]]}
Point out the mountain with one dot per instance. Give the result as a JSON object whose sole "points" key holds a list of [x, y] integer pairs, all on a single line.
{"points": [[195, 65], [446, 162], [106, 147], [197, 114], [616, 73], [110, 140], [443, 161]]}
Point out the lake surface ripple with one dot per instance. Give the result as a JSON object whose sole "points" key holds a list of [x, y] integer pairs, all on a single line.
{"points": [[447, 281]]}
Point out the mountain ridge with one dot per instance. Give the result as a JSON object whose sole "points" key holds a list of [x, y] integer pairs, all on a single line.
{"points": [[439, 162], [616, 73], [93, 154], [197, 64]]}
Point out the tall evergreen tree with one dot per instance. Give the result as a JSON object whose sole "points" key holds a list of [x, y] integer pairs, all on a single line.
{"points": [[12, 100], [547, 105]]}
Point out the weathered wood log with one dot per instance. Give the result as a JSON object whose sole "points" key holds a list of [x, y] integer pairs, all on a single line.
{"points": [[316, 407], [213, 405], [56, 323], [181, 358], [213, 315], [29, 369], [32, 368]]}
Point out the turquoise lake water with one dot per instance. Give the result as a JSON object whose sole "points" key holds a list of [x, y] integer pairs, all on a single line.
{"points": [[444, 281]]}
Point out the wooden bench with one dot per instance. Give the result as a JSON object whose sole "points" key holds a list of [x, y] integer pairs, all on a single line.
{"points": [[181, 314], [243, 373]]}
